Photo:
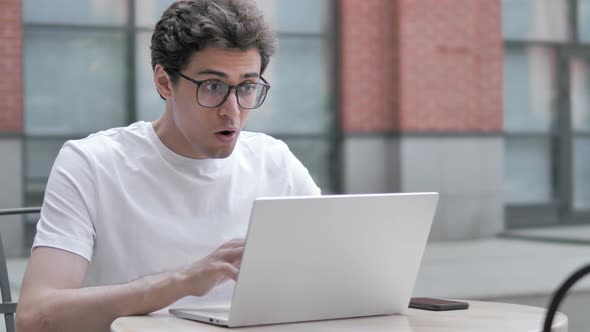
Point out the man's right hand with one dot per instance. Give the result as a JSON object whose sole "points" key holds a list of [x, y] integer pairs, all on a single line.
{"points": [[220, 266]]}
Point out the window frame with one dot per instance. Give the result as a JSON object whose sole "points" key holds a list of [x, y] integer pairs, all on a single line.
{"points": [[559, 211]]}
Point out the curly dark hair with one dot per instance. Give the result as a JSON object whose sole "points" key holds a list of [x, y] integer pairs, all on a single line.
{"points": [[189, 26]]}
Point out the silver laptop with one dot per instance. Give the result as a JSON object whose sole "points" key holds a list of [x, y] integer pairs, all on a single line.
{"points": [[326, 257]]}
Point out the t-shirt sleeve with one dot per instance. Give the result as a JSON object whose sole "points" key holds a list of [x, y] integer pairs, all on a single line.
{"points": [[67, 211], [300, 181]]}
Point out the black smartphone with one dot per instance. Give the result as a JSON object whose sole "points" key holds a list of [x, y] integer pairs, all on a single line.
{"points": [[437, 304]]}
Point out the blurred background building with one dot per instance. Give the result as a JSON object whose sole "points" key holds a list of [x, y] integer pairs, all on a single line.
{"points": [[484, 101]]}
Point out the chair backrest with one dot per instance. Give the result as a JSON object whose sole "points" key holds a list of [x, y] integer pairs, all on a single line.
{"points": [[7, 307], [560, 294]]}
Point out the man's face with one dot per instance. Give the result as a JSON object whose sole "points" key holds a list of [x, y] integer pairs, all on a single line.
{"points": [[213, 132]]}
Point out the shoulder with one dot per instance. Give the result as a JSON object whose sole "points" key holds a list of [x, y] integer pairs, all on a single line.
{"points": [[262, 144], [260, 139], [111, 142], [276, 158]]}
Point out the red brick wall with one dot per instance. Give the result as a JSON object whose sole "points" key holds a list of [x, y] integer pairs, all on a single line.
{"points": [[11, 91], [368, 67], [426, 66]]}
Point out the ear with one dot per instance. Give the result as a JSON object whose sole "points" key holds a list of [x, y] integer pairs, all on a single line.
{"points": [[163, 82]]}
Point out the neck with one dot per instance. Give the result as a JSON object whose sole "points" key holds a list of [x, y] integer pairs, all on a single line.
{"points": [[172, 137]]}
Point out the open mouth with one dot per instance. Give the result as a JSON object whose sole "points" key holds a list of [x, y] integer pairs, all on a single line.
{"points": [[226, 136], [227, 132]]}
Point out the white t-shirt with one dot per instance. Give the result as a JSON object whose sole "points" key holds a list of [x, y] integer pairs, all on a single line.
{"points": [[130, 206]]}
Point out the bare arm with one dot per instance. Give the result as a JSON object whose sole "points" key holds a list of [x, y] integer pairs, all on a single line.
{"points": [[52, 297]]}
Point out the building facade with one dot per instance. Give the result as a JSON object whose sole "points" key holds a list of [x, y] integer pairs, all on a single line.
{"points": [[453, 96]]}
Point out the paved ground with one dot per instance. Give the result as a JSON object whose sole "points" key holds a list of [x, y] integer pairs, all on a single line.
{"points": [[498, 267], [513, 270]]}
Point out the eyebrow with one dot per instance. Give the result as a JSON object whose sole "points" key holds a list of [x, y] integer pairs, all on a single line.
{"points": [[224, 75]]}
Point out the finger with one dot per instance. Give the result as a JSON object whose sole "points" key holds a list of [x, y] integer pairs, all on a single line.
{"points": [[230, 255], [234, 243], [229, 271], [230, 245], [222, 278]]}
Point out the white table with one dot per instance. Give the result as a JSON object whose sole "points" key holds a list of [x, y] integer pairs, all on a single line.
{"points": [[481, 316]]}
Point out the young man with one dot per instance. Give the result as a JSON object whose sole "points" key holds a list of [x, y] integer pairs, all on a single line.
{"points": [[139, 217]]}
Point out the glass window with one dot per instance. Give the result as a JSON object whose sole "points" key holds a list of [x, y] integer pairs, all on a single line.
{"points": [[299, 99], [580, 94], [74, 81], [527, 171], [584, 20], [529, 89], [580, 104], [40, 154], [82, 12], [314, 154], [149, 104], [148, 12], [302, 16], [581, 175], [545, 20]]}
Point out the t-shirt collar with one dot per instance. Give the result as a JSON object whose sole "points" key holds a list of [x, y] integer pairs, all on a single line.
{"points": [[210, 166]]}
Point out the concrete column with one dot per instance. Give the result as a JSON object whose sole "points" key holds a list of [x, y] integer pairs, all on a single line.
{"points": [[11, 196]]}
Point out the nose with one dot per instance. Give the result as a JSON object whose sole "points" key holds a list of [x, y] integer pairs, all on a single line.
{"points": [[230, 108]]}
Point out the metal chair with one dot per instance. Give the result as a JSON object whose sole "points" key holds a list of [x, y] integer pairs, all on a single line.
{"points": [[560, 294], [7, 307]]}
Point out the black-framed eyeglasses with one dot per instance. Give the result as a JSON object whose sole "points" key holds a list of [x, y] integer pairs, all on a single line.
{"points": [[212, 93]]}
